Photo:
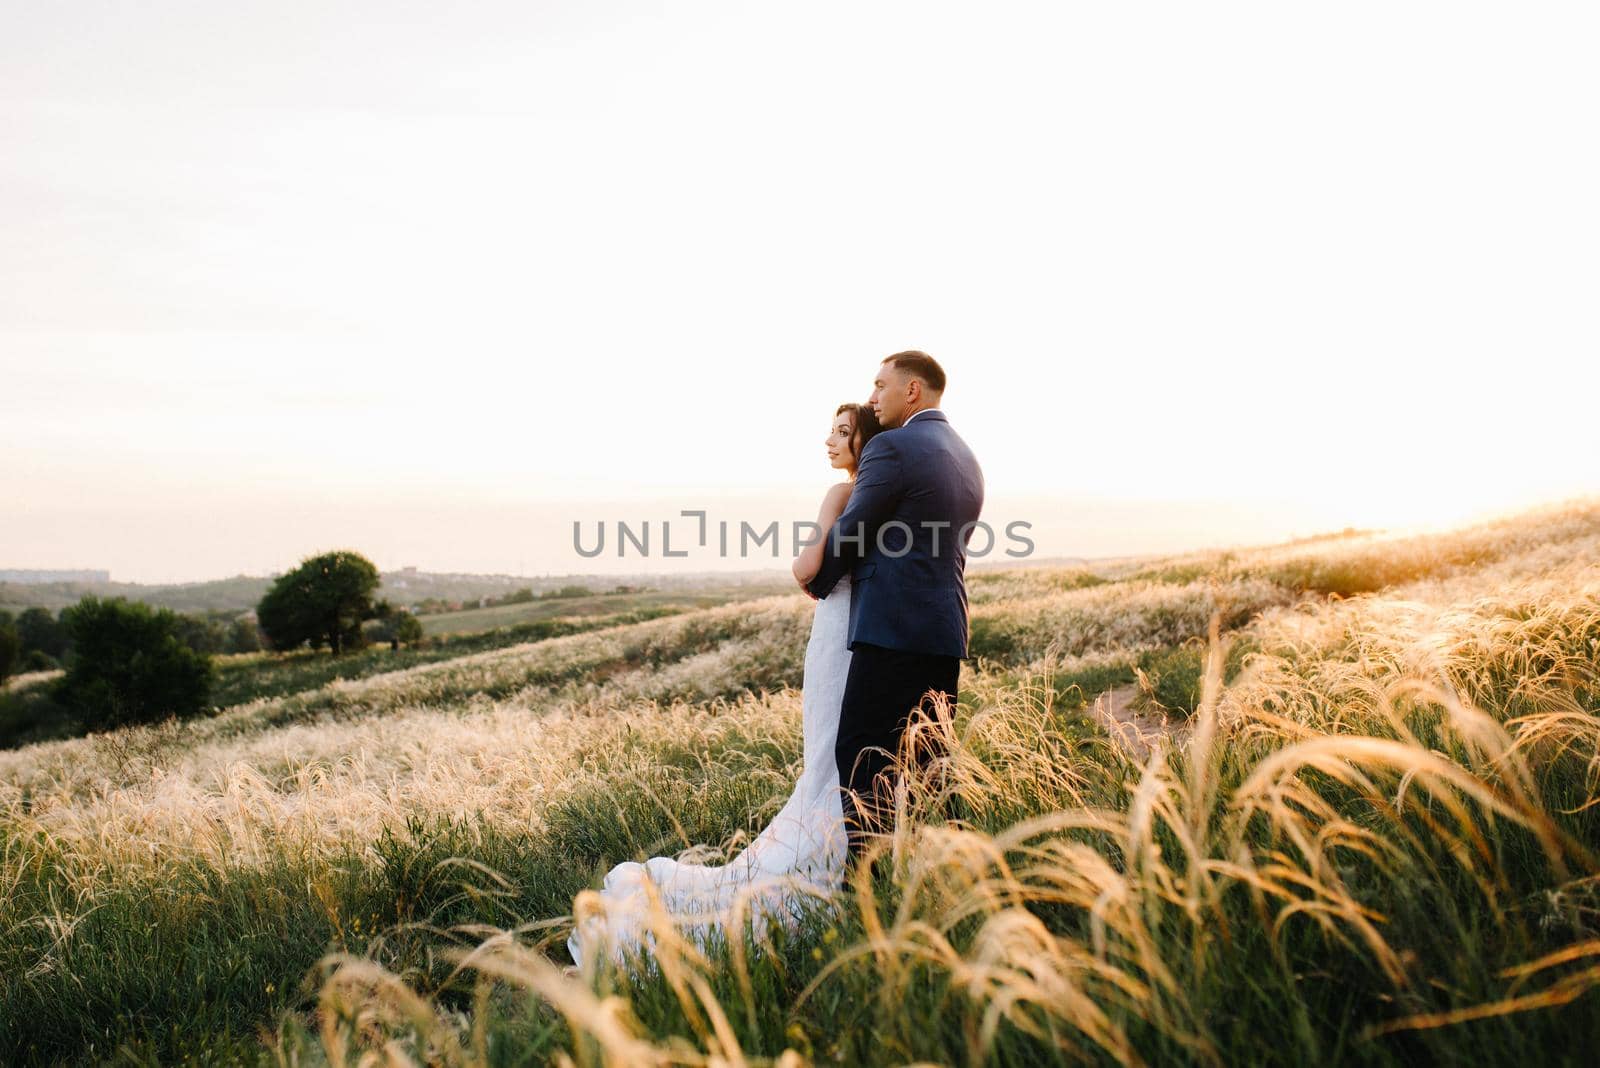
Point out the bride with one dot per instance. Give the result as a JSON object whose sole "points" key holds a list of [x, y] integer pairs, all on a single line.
{"points": [[801, 852]]}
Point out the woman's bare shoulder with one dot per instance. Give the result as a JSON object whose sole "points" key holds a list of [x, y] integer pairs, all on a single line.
{"points": [[833, 501]]}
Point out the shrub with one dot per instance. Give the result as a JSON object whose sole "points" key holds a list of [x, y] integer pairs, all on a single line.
{"points": [[397, 627], [38, 629], [203, 635], [39, 660], [10, 646], [244, 636], [32, 715], [129, 665]]}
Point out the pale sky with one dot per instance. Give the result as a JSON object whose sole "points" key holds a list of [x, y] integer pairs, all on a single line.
{"points": [[435, 280]]}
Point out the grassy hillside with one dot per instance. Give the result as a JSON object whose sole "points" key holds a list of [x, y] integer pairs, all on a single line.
{"points": [[27, 714], [243, 592], [1377, 843], [472, 620], [223, 595]]}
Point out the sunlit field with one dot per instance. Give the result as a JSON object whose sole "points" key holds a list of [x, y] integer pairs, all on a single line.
{"points": [[1361, 827]]}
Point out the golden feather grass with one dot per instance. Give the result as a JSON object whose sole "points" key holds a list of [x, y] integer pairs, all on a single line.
{"points": [[1411, 730]]}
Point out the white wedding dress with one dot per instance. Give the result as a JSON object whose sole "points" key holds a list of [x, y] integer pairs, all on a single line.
{"points": [[796, 858]]}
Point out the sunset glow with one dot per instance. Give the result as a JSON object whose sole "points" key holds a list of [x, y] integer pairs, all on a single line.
{"points": [[289, 277]]}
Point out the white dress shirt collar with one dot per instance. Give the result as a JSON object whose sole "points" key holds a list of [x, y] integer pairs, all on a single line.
{"points": [[916, 413]]}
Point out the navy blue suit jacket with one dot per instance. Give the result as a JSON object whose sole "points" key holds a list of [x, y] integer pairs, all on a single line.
{"points": [[918, 488]]}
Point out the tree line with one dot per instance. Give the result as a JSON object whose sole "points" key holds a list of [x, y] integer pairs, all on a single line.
{"points": [[125, 662]]}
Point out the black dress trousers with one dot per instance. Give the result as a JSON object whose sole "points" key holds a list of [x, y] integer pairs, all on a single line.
{"points": [[880, 692]]}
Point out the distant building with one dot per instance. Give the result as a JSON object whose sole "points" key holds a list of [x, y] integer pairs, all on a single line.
{"points": [[37, 578]]}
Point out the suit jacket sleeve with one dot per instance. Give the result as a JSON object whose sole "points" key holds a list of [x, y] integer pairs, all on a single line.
{"points": [[877, 490]]}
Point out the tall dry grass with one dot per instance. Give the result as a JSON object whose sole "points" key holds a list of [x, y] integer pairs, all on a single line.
{"points": [[1383, 816], [1377, 844]]}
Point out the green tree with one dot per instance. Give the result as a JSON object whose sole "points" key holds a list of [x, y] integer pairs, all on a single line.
{"points": [[129, 665], [567, 591], [202, 635], [10, 646], [35, 660], [321, 602], [244, 637], [38, 629], [399, 627]]}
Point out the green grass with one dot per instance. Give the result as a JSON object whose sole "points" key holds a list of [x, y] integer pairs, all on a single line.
{"points": [[31, 714], [1170, 678], [193, 960], [471, 620], [254, 675], [1281, 902]]}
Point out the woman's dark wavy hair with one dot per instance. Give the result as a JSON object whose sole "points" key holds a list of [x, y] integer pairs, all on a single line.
{"points": [[866, 425]]}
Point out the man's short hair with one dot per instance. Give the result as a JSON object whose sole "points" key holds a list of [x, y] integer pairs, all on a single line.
{"points": [[919, 364]]}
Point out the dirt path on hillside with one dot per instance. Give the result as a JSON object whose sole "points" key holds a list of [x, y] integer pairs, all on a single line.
{"points": [[1135, 731]]}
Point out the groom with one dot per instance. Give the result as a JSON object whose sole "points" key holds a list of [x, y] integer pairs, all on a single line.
{"points": [[902, 538]]}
